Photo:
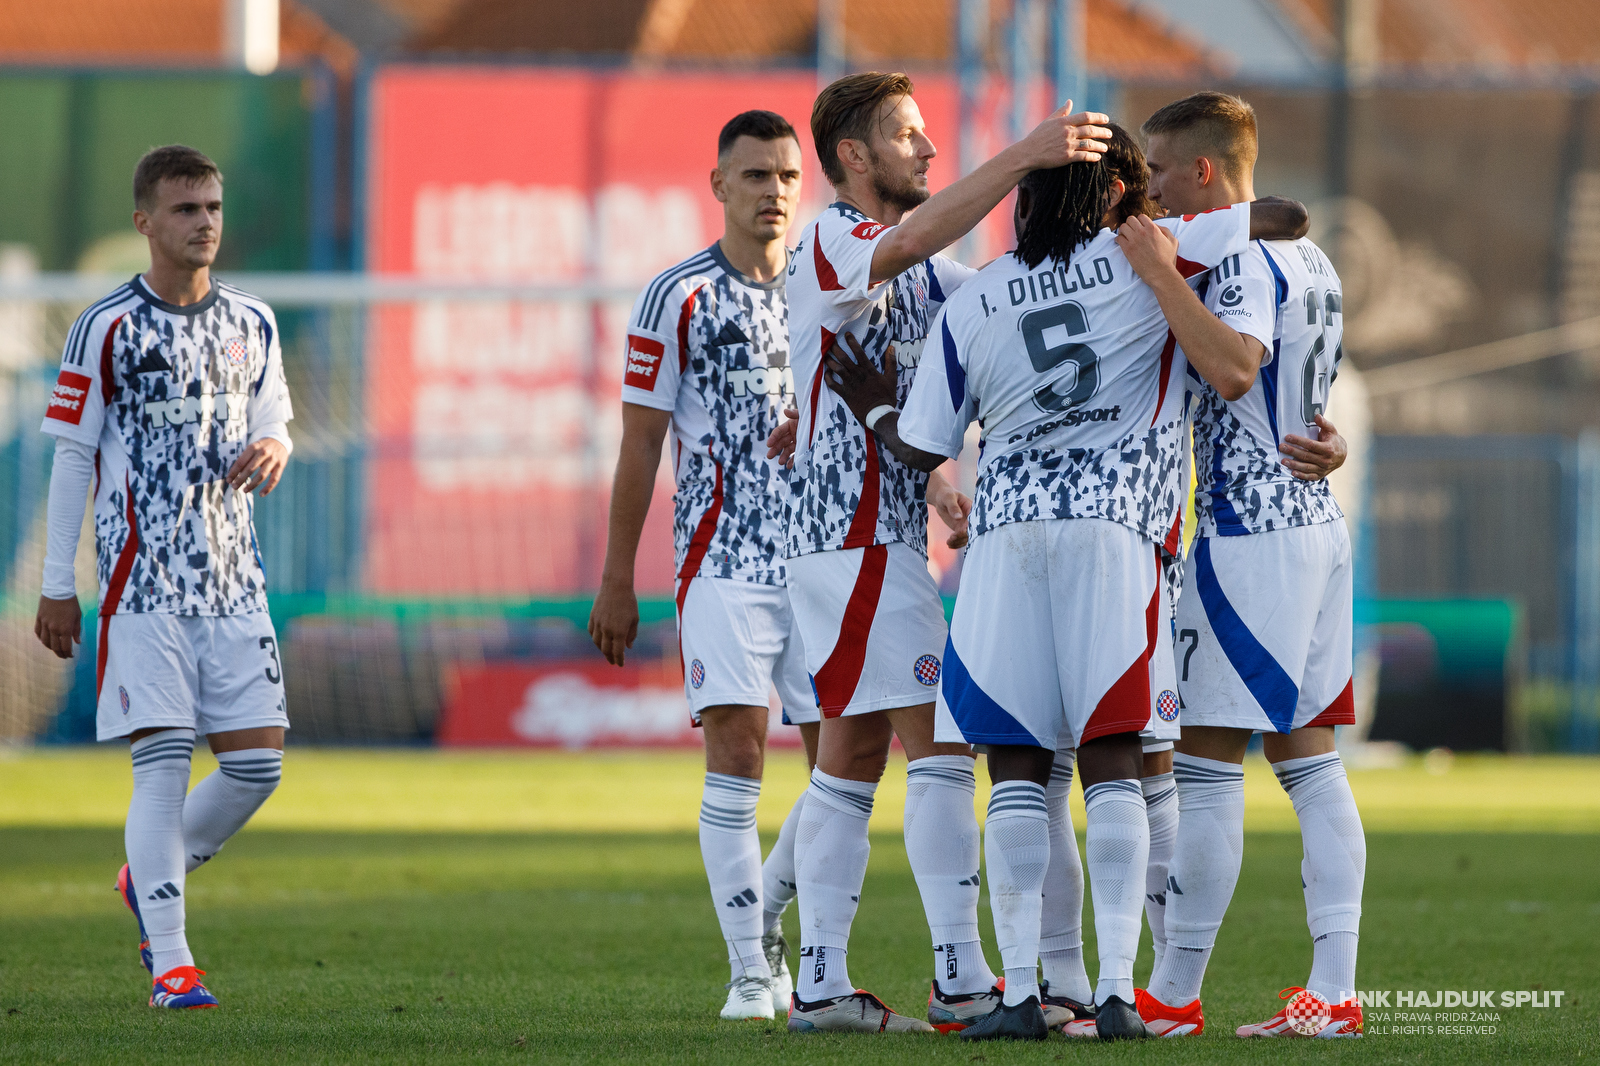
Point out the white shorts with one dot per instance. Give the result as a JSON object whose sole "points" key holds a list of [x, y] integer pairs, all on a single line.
{"points": [[873, 626], [209, 673], [1057, 637], [739, 641], [1265, 630]]}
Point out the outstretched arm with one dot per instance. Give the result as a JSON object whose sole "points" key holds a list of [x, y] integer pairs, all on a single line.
{"points": [[614, 619], [950, 214], [864, 390], [1227, 359]]}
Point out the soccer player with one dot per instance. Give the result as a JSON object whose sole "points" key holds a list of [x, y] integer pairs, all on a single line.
{"points": [[870, 614], [1061, 352], [1265, 623], [708, 356], [172, 400]]}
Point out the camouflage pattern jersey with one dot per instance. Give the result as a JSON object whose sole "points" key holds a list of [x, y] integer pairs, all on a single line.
{"points": [[169, 396], [711, 345]]}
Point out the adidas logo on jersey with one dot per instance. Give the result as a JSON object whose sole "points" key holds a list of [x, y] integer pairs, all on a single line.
{"points": [[730, 333], [222, 406], [762, 381]]}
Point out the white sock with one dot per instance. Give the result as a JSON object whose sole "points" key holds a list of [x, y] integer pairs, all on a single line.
{"points": [[1204, 871], [219, 806], [777, 873], [1333, 869], [1161, 809], [1117, 847], [1061, 925], [942, 843], [731, 849], [1016, 847], [830, 859], [154, 840]]}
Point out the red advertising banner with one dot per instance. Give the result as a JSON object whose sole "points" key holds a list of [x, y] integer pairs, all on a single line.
{"points": [[497, 422], [579, 704]]}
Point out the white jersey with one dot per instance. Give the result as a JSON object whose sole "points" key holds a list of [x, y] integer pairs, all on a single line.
{"points": [[853, 494], [1077, 382], [1286, 295], [169, 396], [711, 345]]}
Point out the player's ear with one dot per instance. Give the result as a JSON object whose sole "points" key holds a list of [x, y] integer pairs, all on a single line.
{"points": [[1118, 188], [1203, 171], [718, 185]]}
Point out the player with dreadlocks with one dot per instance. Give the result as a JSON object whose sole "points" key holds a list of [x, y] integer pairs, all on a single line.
{"points": [[1062, 354]]}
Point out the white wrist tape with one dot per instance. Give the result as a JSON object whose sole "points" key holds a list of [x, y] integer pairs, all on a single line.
{"points": [[877, 413]]}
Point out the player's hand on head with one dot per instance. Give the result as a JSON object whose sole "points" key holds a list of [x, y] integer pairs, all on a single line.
{"points": [[850, 373], [614, 621], [1150, 249], [1065, 138], [58, 625], [781, 441], [260, 465], [1313, 460]]}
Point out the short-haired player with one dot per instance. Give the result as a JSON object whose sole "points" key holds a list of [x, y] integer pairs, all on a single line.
{"points": [[172, 401], [708, 359], [871, 617], [1061, 353], [1265, 621]]}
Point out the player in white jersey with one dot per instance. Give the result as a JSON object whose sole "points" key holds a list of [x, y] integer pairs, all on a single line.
{"points": [[707, 357], [171, 398], [1265, 620], [1062, 354], [869, 613]]}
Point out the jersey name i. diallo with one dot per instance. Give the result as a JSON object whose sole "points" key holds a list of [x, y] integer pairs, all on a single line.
{"points": [[711, 345], [169, 395], [1075, 379], [1287, 295], [850, 492]]}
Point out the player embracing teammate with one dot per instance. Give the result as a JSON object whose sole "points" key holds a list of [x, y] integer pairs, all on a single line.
{"points": [[171, 400], [1265, 621], [1062, 354], [870, 615]]}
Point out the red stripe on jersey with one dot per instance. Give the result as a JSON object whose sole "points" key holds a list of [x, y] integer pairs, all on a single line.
{"points": [[1174, 541], [1125, 708], [827, 277], [1189, 268], [828, 337], [683, 329], [1342, 711], [837, 680], [864, 523], [699, 544], [107, 386], [119, 581], [1167, 350]]}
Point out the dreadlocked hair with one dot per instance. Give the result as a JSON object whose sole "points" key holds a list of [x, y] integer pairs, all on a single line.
{"points": [[1070, 203]]}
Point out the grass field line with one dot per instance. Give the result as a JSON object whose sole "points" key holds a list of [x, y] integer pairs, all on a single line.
{"points": [[417, 789]]}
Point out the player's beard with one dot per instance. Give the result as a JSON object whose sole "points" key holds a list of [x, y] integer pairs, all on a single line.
{"points": [[901, 193]]}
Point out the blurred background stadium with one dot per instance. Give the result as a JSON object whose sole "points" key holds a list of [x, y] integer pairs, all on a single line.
{"points": [[452, 203]]}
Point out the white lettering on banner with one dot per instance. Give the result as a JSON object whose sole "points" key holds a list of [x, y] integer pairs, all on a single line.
{"points": [[500, 231], [499, 337], [643, 231], [570, 710], [488, 436]]}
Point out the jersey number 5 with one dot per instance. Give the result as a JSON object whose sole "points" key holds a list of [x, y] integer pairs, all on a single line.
{"points": [[1048, 332]]}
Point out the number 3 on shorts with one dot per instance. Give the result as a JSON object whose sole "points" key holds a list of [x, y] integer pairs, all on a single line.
{"points": [[275, 671]]}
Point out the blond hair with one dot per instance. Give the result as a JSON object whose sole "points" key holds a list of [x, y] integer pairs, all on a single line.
{"points": [[1214, 125]]}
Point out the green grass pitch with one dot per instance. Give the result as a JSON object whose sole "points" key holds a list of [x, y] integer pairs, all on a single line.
{"points": [[425, 906]]}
